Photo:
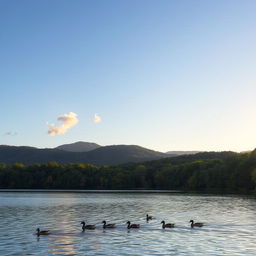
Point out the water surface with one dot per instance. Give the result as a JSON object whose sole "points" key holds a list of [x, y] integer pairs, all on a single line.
{"points": [[230, 224]]}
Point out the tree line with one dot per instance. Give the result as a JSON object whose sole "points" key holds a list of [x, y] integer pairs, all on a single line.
{"points": [[227, 172]]}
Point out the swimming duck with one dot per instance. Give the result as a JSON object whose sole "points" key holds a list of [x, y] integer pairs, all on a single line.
{"points": [[197, 224], [167, 225], [132, 225], [42, 232], [87, 226], [149, 217], [105, 225]]}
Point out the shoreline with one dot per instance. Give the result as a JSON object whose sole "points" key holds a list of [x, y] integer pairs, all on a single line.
{"points": [[147, 191]]}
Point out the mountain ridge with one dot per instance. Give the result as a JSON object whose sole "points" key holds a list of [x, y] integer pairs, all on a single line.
{"points": [[107, 155], [98, 155]]}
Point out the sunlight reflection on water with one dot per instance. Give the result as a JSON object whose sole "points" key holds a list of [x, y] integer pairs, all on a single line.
{"points": [[230, 228]]}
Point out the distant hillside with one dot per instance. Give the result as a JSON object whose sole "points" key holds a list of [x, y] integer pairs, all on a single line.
{"points": [[179, 153], [30, 155], [109, 155], [117, 154], [79, 146], [182, 159]]}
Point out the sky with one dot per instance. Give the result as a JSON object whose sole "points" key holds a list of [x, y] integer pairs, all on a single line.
{"points": [[162, 74]]}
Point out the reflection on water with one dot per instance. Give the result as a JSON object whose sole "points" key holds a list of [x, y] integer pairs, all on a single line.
{"points": [[230, 224]]}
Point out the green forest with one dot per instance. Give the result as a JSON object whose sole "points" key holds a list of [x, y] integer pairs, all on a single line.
{"points": [[224, 171]]}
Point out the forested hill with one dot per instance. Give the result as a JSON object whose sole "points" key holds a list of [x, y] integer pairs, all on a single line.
{"points": [[108, 155], [224, 171], [188, 158]]}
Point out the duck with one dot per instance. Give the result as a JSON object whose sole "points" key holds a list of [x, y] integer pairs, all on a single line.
{"points": [[149, 217], [105, 225], [197, 224], [42, 232], [87, 226], [167, 225], [132, 225]]}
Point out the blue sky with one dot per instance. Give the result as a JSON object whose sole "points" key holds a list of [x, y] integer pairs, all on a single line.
{"points": [[167, 75]]}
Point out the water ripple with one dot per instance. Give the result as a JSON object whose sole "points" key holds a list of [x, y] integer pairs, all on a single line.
{"points": [[229, 224]]}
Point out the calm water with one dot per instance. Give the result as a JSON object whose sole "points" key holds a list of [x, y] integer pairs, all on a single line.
{"points": [[230, 224]]}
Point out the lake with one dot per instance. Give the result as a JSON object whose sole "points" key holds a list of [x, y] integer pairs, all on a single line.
{"points": [[229, 224]]}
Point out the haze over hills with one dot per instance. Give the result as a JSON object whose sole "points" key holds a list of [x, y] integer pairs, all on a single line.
{"points": [[179, 153], [82, 146]]}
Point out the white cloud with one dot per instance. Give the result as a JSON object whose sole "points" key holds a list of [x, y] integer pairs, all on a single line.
{"points": [[69, 120], [96, 118]]}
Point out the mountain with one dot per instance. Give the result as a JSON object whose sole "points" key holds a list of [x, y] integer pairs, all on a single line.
{"points": [[179, 153], [117, 154], [108, 155], [79, 146]]}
